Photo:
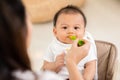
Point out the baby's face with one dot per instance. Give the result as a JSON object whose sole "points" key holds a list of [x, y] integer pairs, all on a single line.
{"points": [[68, 25]]}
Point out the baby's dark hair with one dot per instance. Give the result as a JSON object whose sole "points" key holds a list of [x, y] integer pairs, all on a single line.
{"points": [[69, 9]]}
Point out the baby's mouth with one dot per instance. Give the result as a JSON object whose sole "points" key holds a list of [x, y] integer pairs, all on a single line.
{"points": [[72, 37]]}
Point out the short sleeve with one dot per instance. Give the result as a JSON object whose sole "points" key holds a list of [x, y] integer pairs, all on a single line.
{"points": [[49, 56], [92, 55]]}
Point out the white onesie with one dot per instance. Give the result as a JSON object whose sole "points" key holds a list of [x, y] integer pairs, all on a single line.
{"points": [[56, 47]]}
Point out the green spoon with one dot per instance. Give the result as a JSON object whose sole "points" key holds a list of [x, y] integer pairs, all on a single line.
{"points": [[80, 42]]}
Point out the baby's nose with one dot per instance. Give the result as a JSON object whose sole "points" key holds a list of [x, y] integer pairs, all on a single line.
{"points": [[70, 31]]}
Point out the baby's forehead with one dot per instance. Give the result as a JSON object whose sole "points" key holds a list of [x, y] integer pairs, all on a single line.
{"points": [[68, 16], [76, 14]]}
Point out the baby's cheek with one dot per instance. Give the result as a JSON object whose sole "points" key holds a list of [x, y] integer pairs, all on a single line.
{"points": [[80, 36]]}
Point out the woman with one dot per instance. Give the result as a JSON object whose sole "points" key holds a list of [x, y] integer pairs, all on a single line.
{"points": [[15, 33]]}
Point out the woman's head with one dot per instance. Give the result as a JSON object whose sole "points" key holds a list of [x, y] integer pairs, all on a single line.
{"points": [[13, 36]]}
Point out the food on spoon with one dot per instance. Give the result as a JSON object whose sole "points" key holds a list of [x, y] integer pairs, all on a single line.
{"points": [[80, 42]]}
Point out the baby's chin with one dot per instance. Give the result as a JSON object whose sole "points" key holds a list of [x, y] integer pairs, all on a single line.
{"points": [[68, 42]]}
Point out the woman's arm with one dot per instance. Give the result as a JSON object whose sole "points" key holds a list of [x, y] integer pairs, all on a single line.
{"points": [[72, 58], [74, 73], [90, 69]]}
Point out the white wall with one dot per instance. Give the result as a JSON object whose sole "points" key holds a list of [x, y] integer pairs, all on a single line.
{"points": [[104, 19]]}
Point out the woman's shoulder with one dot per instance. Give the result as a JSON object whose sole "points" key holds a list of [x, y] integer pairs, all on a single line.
{"points": [[40, 75], [24, 75]]}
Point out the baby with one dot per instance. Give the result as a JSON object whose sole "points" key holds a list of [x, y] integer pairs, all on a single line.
{"points": [[70, 21]]}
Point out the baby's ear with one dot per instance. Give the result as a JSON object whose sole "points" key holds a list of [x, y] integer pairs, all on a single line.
{"points": [[54, 31]]}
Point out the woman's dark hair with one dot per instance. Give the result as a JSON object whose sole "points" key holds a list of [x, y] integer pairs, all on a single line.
{"points": [[68, 10], [13, 33]]}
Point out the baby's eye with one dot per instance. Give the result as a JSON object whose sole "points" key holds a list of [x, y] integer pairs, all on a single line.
{"points": [[76, 28], [64, 27]]}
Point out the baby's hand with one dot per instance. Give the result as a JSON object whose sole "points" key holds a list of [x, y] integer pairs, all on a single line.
{"points": [[66, 50], [59, 62]]}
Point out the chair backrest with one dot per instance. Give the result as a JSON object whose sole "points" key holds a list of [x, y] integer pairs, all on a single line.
{"points": [[106, 53]]}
